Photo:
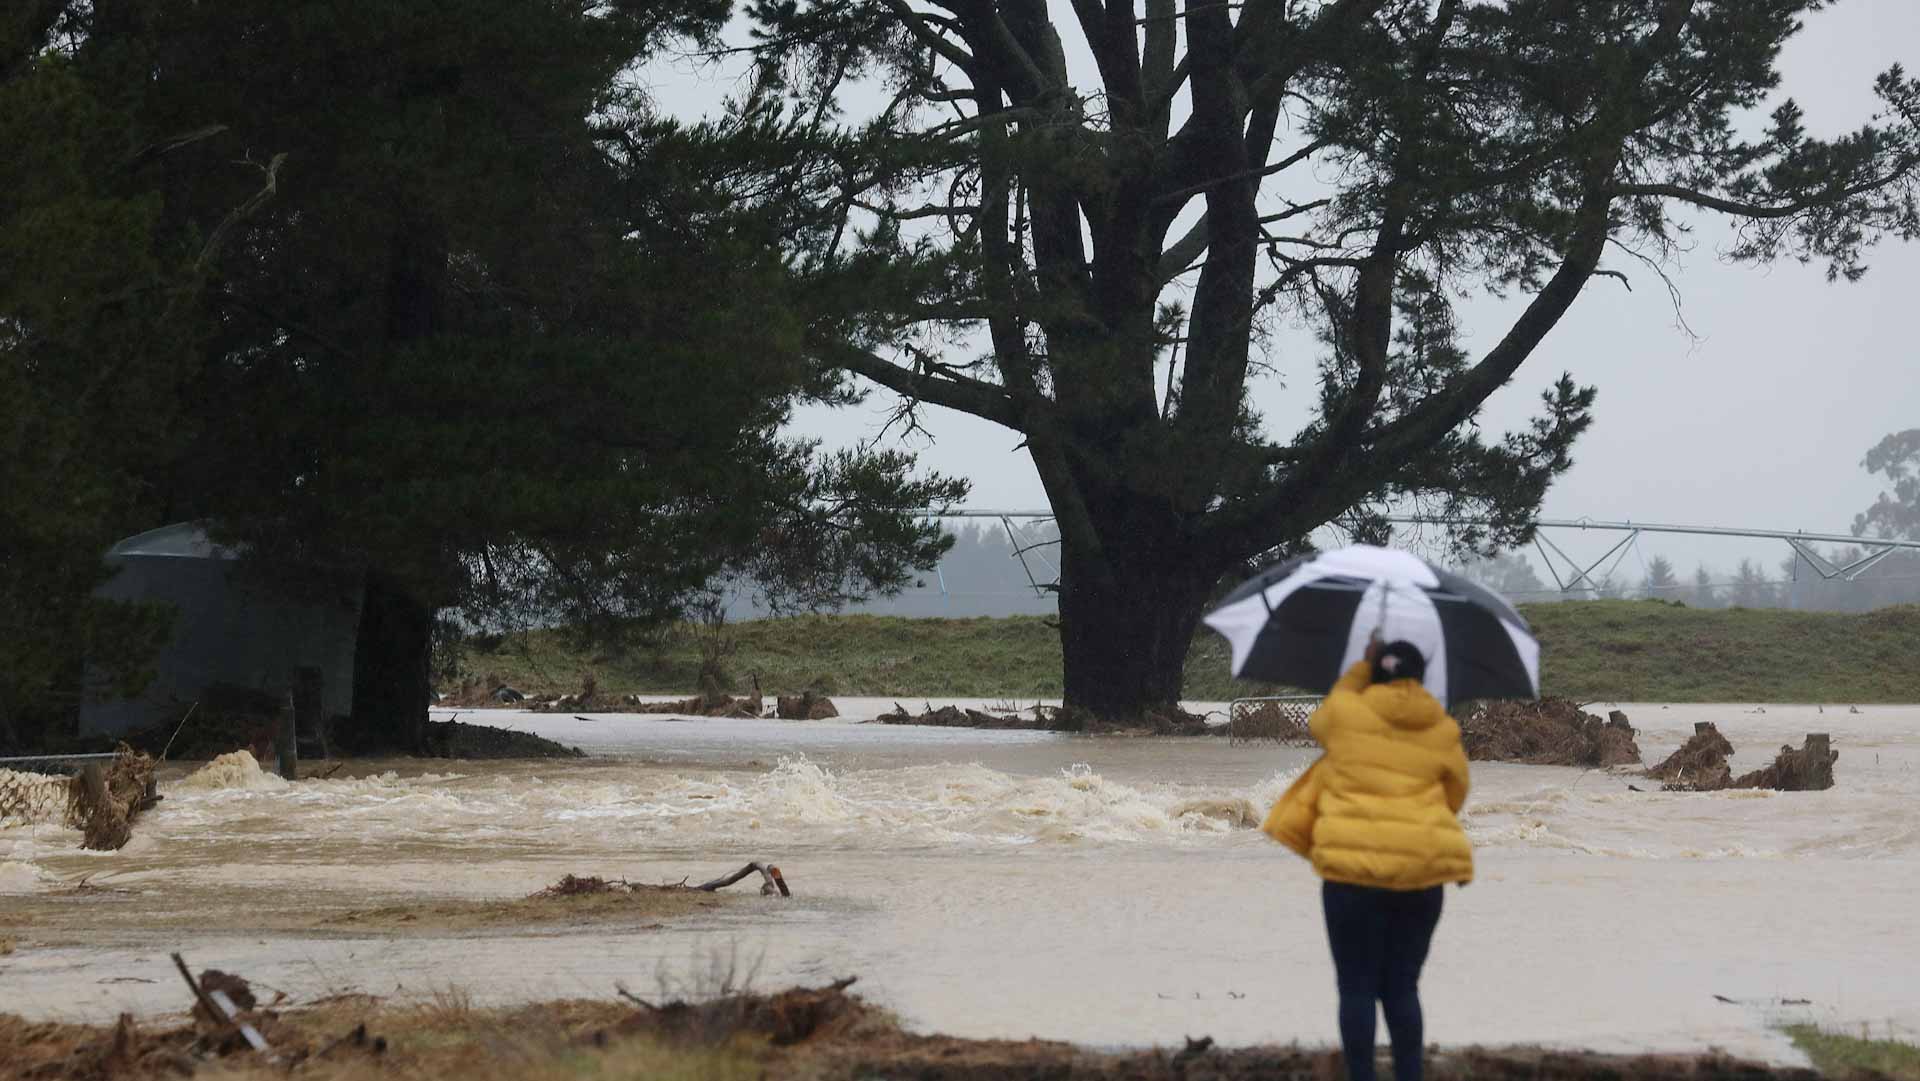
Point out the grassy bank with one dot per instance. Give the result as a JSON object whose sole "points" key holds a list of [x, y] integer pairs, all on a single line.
{"points": [[1618, 650], [1857, 1056]]}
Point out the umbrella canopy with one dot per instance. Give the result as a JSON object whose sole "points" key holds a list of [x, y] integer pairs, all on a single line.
{"points": [[1305, 621]]}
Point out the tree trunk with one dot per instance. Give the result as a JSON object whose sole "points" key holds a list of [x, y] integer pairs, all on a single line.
{"points": [[1124, 641], [391, 664]]}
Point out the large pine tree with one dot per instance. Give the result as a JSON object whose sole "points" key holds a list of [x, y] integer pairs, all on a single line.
{"points": [[464, 323], [1076, 220]]}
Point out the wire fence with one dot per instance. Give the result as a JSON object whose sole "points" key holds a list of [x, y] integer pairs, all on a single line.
{"points": [[32, 798], [1276, 719]]}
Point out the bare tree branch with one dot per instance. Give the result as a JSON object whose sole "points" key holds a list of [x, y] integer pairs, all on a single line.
{"points": [[930, 37], [973, 396], [1762, 212]]}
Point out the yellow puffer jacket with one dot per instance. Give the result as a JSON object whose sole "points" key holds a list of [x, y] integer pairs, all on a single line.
{"points": [[1378, 809]]}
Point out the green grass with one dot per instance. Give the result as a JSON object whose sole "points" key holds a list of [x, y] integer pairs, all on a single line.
{"points": [[1652, 652], [1856, 1056], [1598, 650]]}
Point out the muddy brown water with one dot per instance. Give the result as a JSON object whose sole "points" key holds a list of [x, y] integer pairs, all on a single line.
{"points": [[1008, 884]]}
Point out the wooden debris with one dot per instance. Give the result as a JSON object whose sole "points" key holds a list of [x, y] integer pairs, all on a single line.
{"points": [[1549, 732], [955, 717], [216, 1003], [772, 881], [1808, 769], [103, 801], [806, 706], [1699, 765]]}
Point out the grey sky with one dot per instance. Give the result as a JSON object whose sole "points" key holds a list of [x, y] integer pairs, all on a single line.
{"points": [[1760, 422]]}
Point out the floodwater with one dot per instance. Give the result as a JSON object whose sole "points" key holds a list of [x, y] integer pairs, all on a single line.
{"points": [[1013, 884]]}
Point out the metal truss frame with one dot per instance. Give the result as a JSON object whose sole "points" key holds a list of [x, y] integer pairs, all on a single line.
{"points": [[1877, 548]]}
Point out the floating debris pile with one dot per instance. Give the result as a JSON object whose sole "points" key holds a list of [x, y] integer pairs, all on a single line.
{"points": [[100, 800], [955, 717], [1700, 765], [1549, 732]]}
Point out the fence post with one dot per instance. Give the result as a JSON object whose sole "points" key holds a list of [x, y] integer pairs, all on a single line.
{"points": [[309, 719], [286, 741]]}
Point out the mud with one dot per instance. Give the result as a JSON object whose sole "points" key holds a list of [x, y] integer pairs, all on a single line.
{"points": [[1549, 732], [570, 901], [820, 1034]]}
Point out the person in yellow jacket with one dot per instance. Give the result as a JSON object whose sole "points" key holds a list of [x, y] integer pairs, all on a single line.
{"points": [[1376, 815]]}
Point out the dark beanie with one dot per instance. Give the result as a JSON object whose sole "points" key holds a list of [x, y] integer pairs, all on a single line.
{"points": [[1399, 660]]}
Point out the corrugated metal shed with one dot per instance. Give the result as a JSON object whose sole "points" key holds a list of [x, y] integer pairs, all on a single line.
{"points": [[233, 628]]}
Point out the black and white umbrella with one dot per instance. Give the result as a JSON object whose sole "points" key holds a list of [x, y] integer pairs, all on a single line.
{"points": [[1303, 622]]}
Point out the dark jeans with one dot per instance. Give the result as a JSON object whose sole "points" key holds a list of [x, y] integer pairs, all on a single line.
{"points": [[1380, 940]]}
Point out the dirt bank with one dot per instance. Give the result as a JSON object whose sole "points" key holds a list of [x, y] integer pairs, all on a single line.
{"points": [[821, 1034], [453, 739]]}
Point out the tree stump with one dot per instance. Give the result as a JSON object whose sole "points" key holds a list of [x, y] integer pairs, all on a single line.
{"points": [[1818, 756]]}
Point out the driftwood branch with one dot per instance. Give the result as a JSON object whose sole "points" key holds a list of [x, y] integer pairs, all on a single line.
{"points": [[772, 881]]}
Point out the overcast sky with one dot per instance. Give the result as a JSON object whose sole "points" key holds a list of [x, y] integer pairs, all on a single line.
{"points": [[1761, 422]]}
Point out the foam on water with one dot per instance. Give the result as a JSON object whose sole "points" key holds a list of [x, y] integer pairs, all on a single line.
{"points": [[235, 770], [19, 876], [798, 802], [803, 802]]}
